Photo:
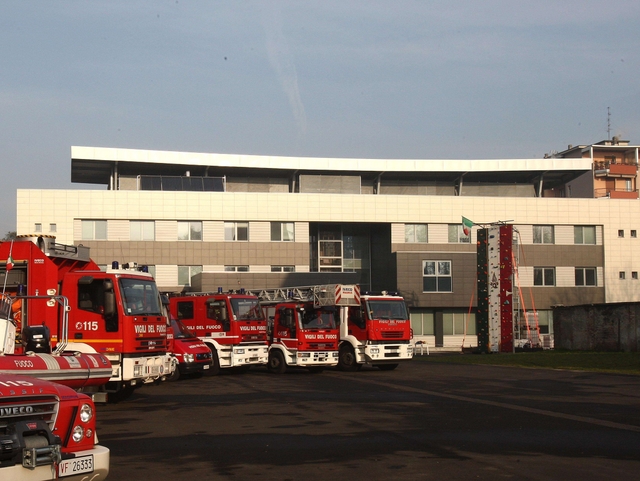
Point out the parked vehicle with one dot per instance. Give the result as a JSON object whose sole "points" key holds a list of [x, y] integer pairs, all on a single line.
{"points": [[114, 312], [374, 328], [231, 324], [48, 431], [192, 356]]}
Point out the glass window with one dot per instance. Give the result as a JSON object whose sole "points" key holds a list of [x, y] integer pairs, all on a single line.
{"points": [[185, 273], [53, 228], [190, 230], [436, 276], [94, 230], [544, 276], [543, 234], [415, 233], [282, 231], [236, 231], [283, 269], [142, 230], [586, 276], [236, 268], [458, 323], [457, 235], [38, 227], [584, 234]]}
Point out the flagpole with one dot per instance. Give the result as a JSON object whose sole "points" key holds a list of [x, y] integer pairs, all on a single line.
{"points": [[6, 271]]}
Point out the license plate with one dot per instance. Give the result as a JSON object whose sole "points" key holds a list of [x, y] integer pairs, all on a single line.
{"points": [[206, 366], [70, 467]]}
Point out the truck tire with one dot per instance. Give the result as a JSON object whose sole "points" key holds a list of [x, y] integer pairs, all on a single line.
{"points": [[387, 367], [214, 370], [276, 363], [174, 376], [347, 359]]}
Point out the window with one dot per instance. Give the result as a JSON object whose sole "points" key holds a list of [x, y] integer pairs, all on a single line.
{"points": [[458, 323], [543, 234], [53, 228], [236, 268], [634, 275], [94, 230], [584, 234], [457, 235], [415, 233], [236, 231], [633, 233], [190, 230], [621, 233], [586, 276], [422, 323], [185, 273], [142, 230], [281, 231], [38, 227], [544, 276], [436, 276], [283, 269], [622, 275]]}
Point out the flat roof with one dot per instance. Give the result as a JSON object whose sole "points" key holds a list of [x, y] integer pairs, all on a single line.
{"points": [[94, 165]]}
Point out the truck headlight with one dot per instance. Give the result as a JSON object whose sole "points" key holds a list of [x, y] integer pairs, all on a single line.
{"points": [[375, 350], [239, 351], [78, 434], [86, 413], [188, 358]]}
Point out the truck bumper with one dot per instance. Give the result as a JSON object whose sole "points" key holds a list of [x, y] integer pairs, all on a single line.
{"points": [[316, 358], [100, 469], [387, 353]]}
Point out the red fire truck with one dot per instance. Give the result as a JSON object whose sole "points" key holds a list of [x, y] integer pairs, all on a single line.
{"points": [[116, 313], [374, 328], [48, 431], [376, 332], [302, 328], [231, 324]]}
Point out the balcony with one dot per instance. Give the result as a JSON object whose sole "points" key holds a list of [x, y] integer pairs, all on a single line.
{"points": [[616, 194], [609, 169]]}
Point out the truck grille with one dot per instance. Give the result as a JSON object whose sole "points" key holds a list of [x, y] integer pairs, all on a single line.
{"points": [[27, 408], [392, 334]]}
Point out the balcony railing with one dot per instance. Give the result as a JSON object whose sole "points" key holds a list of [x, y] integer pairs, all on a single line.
{"points": [[611, 169], [616, 194]]}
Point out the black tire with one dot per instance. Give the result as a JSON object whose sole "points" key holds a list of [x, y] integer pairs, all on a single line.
{"points": [[121, 394], [387, 367], [214, 370], [174, 376], [315, 369], [347, 359], [276, 363]]}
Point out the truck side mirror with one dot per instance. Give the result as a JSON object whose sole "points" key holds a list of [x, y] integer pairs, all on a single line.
{"points": [[109, 299]]}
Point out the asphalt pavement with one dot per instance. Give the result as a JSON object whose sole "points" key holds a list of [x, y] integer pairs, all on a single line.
{"points": [[421, 421]]}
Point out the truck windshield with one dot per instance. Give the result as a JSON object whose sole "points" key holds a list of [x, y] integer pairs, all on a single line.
{"points": [[180, 331], [140, 297], [387, 309], [319, 318], [246, 309]]}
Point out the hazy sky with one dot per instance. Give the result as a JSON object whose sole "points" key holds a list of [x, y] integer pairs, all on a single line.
{"points": [[332, 78]]}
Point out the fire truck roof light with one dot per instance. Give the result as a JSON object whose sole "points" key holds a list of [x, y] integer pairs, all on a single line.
{"points": [[115, 265], [219, 290]]}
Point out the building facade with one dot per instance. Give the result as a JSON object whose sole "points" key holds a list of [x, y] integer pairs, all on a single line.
{"points": [[203, 221]]}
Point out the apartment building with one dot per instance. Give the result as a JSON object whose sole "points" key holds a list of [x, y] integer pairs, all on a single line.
{"points": [[202, 221]]}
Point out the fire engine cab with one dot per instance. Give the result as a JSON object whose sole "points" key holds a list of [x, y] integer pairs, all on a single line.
{"points": [[231, 324]]}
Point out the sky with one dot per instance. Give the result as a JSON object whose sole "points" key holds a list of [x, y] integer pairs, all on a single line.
{"points": [[402, 79]]}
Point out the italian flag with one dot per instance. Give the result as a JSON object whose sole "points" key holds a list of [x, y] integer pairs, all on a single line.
{"points": [[9, 263], [467, 225]]}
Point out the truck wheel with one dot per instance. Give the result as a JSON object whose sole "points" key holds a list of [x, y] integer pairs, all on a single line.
{"points": [[387, 367], [174, 376], [276, 362], [347, 359], [214, 370]]}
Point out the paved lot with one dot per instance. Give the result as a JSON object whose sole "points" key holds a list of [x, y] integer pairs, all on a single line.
{"points": [[422, 421]]}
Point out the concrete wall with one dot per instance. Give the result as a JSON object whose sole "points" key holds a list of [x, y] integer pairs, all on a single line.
{"points": [[598, 327]]}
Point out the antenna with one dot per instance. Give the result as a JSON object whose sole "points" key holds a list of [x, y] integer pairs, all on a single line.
{"points": [[608, 123]]}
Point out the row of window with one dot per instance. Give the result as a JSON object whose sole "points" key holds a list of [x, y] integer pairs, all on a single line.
{"points": [[144, 230], [542, 234], [461, 323], [185, 273], [436, 276]]}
